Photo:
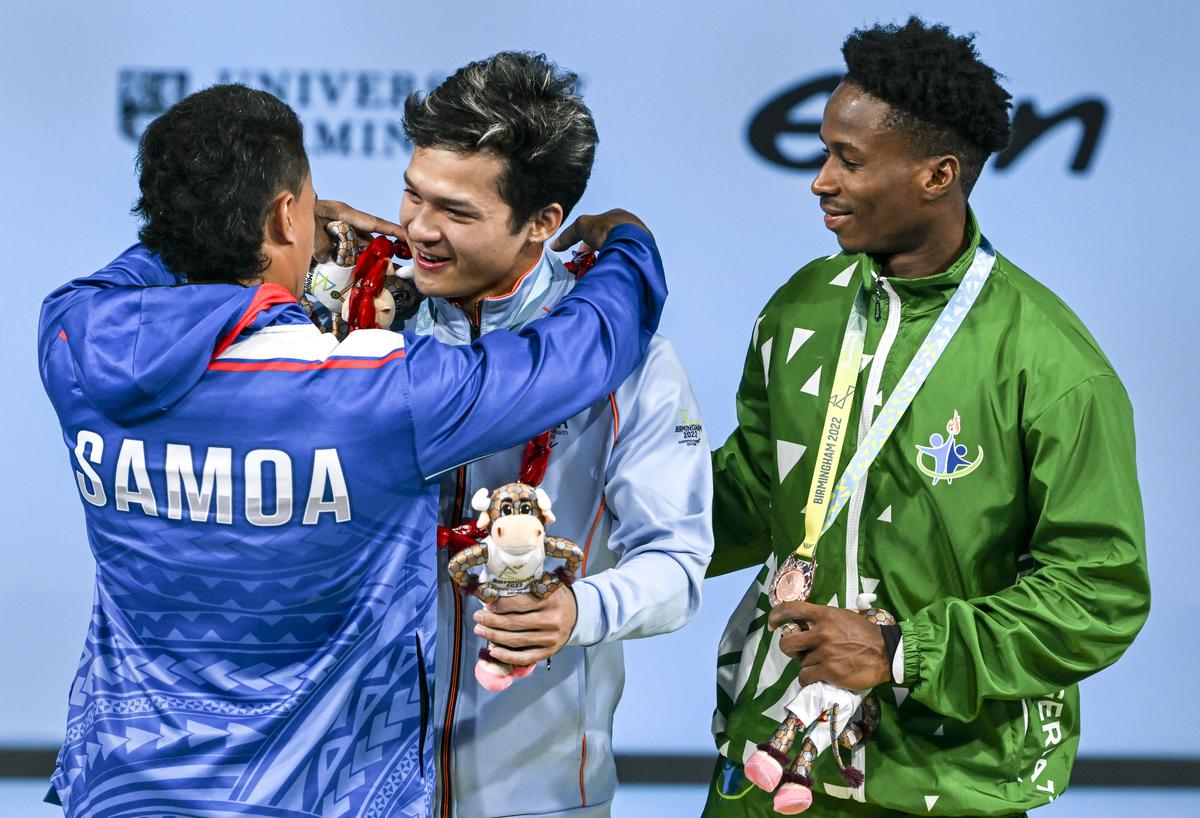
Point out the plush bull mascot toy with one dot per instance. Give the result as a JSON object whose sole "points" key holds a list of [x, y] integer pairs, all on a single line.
{"points": [[513, 556], [824, 716]]}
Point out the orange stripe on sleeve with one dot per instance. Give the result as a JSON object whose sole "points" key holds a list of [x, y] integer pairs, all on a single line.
{"points": [[304, 366], [582, 762]]}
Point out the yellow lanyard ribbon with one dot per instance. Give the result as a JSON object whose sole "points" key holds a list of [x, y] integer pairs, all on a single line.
{"points": [[826, 499], [837, 426]]}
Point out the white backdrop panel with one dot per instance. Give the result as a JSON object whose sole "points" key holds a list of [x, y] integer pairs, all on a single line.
{"points": [[673, 86]]}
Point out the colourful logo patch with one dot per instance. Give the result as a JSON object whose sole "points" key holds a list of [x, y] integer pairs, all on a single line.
{"points": [[946, 458], [688, 429]]}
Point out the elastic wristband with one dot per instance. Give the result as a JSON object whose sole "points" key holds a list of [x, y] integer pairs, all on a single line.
{"points": [[891, 642]]}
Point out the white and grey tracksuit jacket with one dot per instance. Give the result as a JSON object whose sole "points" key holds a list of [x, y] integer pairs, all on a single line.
{"points": [[631, 483]]}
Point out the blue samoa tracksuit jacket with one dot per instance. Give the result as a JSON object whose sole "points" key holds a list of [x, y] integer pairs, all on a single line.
{"points": [[630, 482], [260, 504]]}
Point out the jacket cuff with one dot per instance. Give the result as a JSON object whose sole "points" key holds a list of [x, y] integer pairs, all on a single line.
{"points": [[589, 617], [898, 663], [631, 231], [912, 652]]}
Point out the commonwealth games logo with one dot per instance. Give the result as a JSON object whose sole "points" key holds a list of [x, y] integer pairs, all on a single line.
{"points": [[947, 459]]}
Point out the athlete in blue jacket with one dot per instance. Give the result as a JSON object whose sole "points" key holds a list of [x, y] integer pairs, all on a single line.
{"points": [[259, 498]]}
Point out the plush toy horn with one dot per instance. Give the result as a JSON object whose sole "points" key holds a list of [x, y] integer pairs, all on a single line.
{"points": [[481, 501], [543, 501]]}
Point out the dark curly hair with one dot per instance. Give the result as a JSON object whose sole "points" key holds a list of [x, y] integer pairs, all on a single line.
{"points": [[526, 110], [208, 170], [942, 95]]}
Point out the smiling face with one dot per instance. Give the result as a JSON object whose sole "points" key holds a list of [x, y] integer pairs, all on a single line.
{"points": [[872, 185], [460, 228]]}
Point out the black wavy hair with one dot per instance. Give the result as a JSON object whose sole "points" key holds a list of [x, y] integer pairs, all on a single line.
{"points": [[526, 110], [942, 95], [208, 170]]}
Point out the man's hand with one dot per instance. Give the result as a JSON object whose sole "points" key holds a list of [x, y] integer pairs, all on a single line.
{"points": [[364, 224], [839, 647], [594, 230], [524, 629]]}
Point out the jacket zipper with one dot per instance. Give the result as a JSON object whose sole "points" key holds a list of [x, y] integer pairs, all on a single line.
{"points": [[474, 320], [866, 417], [424, 690]]}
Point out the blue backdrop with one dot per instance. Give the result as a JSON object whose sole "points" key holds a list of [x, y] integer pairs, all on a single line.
{"points": [[674, 87]]}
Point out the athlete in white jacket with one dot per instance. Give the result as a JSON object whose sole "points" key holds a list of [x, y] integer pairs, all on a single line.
{"points": [[631, 484], [502, 152]]}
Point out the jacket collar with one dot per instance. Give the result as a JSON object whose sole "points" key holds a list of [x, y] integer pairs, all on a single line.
{"points": [[928, 292], [534, 294]]}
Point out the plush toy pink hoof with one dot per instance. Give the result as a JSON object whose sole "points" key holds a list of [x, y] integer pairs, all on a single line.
{"points": [[792, 799], [489, 675], [763, 771], [521, 671]]}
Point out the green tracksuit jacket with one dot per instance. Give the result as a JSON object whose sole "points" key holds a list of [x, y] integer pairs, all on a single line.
{"points": [[1011, 582]]}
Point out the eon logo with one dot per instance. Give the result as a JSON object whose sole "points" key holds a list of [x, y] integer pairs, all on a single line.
{"points": [[774, 124]]}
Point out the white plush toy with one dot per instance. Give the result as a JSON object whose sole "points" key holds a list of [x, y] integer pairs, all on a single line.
{"points": [[513, 554]]}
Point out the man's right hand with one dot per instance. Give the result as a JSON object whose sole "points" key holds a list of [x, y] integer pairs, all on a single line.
{"points": [[364, 224], [840, 646], [593, 230]]}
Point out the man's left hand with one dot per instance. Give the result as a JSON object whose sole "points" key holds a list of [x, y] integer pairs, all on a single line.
{"points": [[593, 230], [524, 629], [839, 647], [364, 224]]}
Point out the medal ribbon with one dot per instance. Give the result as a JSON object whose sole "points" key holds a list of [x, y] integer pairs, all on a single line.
{"points": [[537, 451], [837, 425], [824, 506], [533, 471]]}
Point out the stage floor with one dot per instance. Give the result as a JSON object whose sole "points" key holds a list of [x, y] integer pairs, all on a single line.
{"points": [[21, 798]]}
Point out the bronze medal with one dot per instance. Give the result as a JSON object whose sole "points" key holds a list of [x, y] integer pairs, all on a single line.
{"points": [[793, 581]]}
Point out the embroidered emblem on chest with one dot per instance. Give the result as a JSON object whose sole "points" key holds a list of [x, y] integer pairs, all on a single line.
{"points": [[688, 429], [559, 434], [946, 458]]}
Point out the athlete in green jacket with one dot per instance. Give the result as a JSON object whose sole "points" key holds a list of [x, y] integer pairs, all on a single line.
{"points": [[1000, 523]]}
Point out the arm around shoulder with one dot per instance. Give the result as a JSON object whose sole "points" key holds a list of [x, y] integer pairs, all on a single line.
{"points": [[470, 401]]}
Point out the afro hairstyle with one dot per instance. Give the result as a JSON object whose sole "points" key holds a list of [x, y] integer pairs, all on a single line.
{"points": [[942, 95]]}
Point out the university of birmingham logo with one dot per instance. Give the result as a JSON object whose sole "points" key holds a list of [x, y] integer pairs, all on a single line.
{"points": [[143, 94], [346, 113], [946, 459]]}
